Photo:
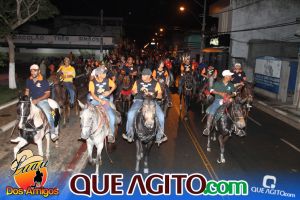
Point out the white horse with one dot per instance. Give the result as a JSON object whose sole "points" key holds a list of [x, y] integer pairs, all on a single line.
{"points": [[94, 128], [33, 125]]}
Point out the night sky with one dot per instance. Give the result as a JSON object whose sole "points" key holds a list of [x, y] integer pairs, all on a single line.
{"points": [[142, 18]]}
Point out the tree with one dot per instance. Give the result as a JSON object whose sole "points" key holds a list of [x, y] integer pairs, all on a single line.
{"points": [[13, 14]]}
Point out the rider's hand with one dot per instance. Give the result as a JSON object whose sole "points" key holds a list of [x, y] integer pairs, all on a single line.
{"points": [[106, 93], [35, 101]]}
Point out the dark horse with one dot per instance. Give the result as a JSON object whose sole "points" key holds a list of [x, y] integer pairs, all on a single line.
{"points": [[188, 90], [204, 96], [228, 118], [124, 99], [61, 96], [165, 97], [145, 129]]}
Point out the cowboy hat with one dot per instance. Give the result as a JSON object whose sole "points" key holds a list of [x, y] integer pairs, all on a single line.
{"points": [[25, 157]]}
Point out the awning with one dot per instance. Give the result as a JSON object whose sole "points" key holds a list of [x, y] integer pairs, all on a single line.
{"points": [[213, 50]]}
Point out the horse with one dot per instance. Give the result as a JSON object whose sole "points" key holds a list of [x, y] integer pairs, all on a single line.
{"points": [[124, 99], [33, 125], [228, 118], [245, 93], [165, 96], [145, 129], [95, 128], [204, 96], [187, 93], [61, 96]]}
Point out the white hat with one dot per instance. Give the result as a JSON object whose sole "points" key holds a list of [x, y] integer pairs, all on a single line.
{"points": [[34, 66], [227, 73], [237, 64]]}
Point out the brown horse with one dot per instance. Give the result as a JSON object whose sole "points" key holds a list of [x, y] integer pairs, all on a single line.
{"points": [[61, 96], [124, 99]]}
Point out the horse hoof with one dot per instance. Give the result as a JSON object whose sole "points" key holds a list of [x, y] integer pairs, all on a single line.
{"points": [[146, 171], [220, 161], [208, 149], [180, 107], [137, 169], [214, 138], [185, 118]]}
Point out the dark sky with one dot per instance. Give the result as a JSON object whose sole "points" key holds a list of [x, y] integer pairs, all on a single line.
{"points": [[142, 18]]}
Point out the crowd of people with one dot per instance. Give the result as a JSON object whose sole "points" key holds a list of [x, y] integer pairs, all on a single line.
{"points": [[147, 71]]}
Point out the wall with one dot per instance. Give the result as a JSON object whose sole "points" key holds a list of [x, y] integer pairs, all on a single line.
{"points": [[259, 14]]}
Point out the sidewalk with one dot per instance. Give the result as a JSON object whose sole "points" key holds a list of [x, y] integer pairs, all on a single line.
{"points": [[282, 111]]}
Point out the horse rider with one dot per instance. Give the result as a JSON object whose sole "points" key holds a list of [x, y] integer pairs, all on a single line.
{"points": [[68, 74], [222, 90], [239, 76], [37, 87], [209, 72], [100, 89], [145, 85], [185, 67], [130, 68], [161, 73]]}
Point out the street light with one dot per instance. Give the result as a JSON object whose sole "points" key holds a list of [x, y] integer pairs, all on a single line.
{"points": [[161, 30], [181, 8]]}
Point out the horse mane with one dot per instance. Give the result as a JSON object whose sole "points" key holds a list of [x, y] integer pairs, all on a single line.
{"points": [[143, 133]]}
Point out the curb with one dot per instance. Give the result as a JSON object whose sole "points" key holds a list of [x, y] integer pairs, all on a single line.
{"points": [[8, 104], [278, 114]]}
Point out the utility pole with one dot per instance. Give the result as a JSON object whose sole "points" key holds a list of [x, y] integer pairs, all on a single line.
{"points": [[203, 29], [101, 35]]}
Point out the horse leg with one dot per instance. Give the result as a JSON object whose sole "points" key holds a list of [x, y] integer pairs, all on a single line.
{"points": [[214, 137], [98, 158], [48, 145], [90, 149], [222, 149], [202, 107], [180, 99], [138, 155], [146, 152], [208, 148], [57, 132], [21, 143], [39, 143]]}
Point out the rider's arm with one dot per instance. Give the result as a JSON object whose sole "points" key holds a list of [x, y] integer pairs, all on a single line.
{"points": [[182, 69], [112, 85], [158, 90], [203, 73], [154, 74], [215, 74]]}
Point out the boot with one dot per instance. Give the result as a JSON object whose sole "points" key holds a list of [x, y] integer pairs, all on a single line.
{"points": [[206, 131]]}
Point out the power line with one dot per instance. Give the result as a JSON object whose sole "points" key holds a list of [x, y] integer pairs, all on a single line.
{"points": [[246, 5], [262, 27]]}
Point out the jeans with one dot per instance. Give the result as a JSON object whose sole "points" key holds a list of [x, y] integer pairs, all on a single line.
{"points": [[44, 105], [137, 103], [211, 110], [180, 85], [110, 112], [70, 89]]}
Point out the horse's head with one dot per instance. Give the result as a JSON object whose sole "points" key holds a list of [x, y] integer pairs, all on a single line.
{"points": [[237, 114], [126, 82], [23, 110], [88, 120], [245, 93], [148, 112]]}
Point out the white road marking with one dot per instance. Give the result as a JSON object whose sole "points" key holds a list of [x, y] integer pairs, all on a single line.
{"points": [[290, 144], [9, 104], [7, 126], [254, 121]]}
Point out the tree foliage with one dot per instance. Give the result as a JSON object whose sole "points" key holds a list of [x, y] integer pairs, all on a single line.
{"points": [[14, 13]]}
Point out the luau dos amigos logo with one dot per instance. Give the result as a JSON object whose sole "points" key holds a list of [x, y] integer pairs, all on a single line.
{"points": [[30, 175]]}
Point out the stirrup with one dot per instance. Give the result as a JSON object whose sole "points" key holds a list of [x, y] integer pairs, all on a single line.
{"points": [[129, 139], [205, 132], [110, 139], [162, 139]]}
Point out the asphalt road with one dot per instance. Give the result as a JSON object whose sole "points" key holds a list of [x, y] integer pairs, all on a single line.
{"points": [[270, 147]]}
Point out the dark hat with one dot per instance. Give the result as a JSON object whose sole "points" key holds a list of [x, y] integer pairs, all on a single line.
{"points": [[146, 71]]}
